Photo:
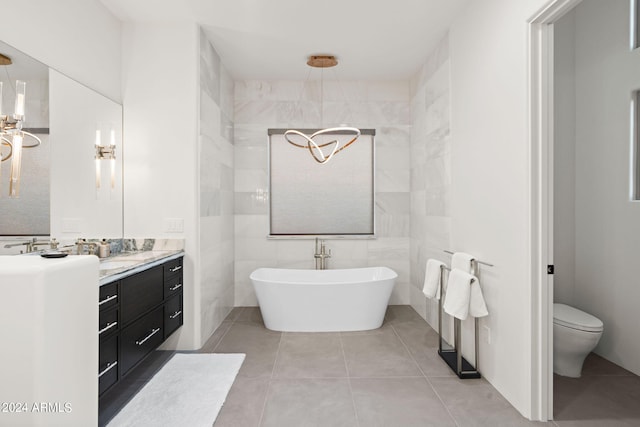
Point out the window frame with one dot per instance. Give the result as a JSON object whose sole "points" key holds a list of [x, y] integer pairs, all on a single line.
{"points": [[277, 233]]}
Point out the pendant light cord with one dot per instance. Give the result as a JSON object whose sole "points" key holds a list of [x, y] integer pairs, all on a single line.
{"points": [[321, 97]]}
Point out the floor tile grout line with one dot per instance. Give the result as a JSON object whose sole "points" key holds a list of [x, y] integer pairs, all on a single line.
{"points": [[446, 408], [271, 378], [334, 377], [222, 337], [225, 332], [407, 349], [264, 404], [346, 367]]}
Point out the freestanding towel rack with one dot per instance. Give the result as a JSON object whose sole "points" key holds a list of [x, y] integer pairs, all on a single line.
{"points": [[453, 357]]}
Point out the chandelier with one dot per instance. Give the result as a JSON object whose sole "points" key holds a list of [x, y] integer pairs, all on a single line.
{"points": [[323, 152], [12, 136]]}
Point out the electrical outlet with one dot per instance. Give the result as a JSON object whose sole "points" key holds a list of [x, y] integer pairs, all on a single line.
{"points": [[486, 334]]}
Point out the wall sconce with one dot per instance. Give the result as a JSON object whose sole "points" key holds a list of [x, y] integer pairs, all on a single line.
{"points": [[105, 152], [12, 136]]}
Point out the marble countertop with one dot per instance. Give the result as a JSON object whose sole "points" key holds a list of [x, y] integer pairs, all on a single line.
{"points": [[116, 267]]}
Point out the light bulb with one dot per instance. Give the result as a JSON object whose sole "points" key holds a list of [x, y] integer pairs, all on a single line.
{"points": [[21, 93], [16, 164]]}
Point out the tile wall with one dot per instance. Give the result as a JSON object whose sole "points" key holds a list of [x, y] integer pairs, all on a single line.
{"points": [[430, 173], [216, 189], [260, 105]]}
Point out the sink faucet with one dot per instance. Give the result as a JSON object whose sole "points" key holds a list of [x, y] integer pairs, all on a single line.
{"points": [[53, 243], [32, 244], [321, 255], [28, 245], [81, 244]]}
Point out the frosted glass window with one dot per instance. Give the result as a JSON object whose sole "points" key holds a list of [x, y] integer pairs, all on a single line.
{"points": [[309, 198]]}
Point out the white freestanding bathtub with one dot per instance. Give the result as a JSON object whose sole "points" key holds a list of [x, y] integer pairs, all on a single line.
{"points": [[352, 299]]}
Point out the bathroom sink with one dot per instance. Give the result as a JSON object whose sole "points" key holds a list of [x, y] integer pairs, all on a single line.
{"points": [[111, 265]]}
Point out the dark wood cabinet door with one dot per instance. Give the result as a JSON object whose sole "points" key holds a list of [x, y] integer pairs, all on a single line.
{"points": [[107, 363], [140, 293], [172, 314], [141, 337]]}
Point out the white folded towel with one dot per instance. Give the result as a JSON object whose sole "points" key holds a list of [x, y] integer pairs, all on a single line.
{"points": [[477, 306], [464, 296], [461, 261], [456, 300], [432, 279]]}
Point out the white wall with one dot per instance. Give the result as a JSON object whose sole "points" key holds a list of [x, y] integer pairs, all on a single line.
{"points": [[161, 168], [79, 38], [260, 105], [606, 223], [490, 202]]}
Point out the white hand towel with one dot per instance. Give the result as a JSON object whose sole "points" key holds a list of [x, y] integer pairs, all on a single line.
{"points": [[432, 279], [458, 296], [477, 306], [461, 261]]}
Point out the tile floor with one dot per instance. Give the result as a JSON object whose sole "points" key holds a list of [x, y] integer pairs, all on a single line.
{"points": [[605, 396], [391, 376]]}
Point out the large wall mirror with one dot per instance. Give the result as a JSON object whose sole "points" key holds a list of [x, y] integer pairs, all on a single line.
{"points": [[65, 192]]}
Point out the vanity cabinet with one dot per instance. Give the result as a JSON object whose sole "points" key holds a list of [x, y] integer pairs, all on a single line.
{"points": [[172, 296], [108, 326], [137, 314], [140, 338]]}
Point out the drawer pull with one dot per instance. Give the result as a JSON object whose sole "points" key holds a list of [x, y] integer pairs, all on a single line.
{"points": [[174, 269], [107, 299], [176, 287], [110, 366], [155, 331], [176, 314], [107, 327]]}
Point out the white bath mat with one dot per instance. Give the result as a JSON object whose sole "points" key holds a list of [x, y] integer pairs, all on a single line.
{"points": [[189, 390]]}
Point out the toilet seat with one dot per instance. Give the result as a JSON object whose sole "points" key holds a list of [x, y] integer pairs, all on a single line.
{"points": [[573, 318]]}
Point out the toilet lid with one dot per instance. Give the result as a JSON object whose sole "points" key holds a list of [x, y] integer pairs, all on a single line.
{"points": [[573, 318]]}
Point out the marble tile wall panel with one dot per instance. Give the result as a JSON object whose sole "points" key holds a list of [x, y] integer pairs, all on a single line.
{"points": [[216, 182], [430, 176], [260, 105], [227, 90], [209, 69]]}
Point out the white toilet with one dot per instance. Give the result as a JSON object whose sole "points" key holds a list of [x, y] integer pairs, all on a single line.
{"points": [[575, 334]]}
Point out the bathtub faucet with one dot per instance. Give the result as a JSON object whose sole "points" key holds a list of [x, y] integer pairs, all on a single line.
{"points": [[321, 255]]}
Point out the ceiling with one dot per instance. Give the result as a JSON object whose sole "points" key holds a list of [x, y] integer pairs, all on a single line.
{"points": [[271, 39]]}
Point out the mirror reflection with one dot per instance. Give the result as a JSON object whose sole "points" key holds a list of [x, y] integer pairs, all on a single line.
{"points": [[27, 212], [71, 184]]}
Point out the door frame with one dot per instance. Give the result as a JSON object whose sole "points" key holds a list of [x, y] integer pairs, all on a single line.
{"points": [[541, 67]]}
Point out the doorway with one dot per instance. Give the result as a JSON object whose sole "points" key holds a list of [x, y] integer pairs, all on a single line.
{"points": [[602, 198]]}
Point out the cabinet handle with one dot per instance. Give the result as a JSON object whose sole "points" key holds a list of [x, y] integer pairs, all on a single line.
{"points": [[174, 269], [106, 328], [176, 287], [176, 314], [155, 331], [110, 366], [107, 299]]}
